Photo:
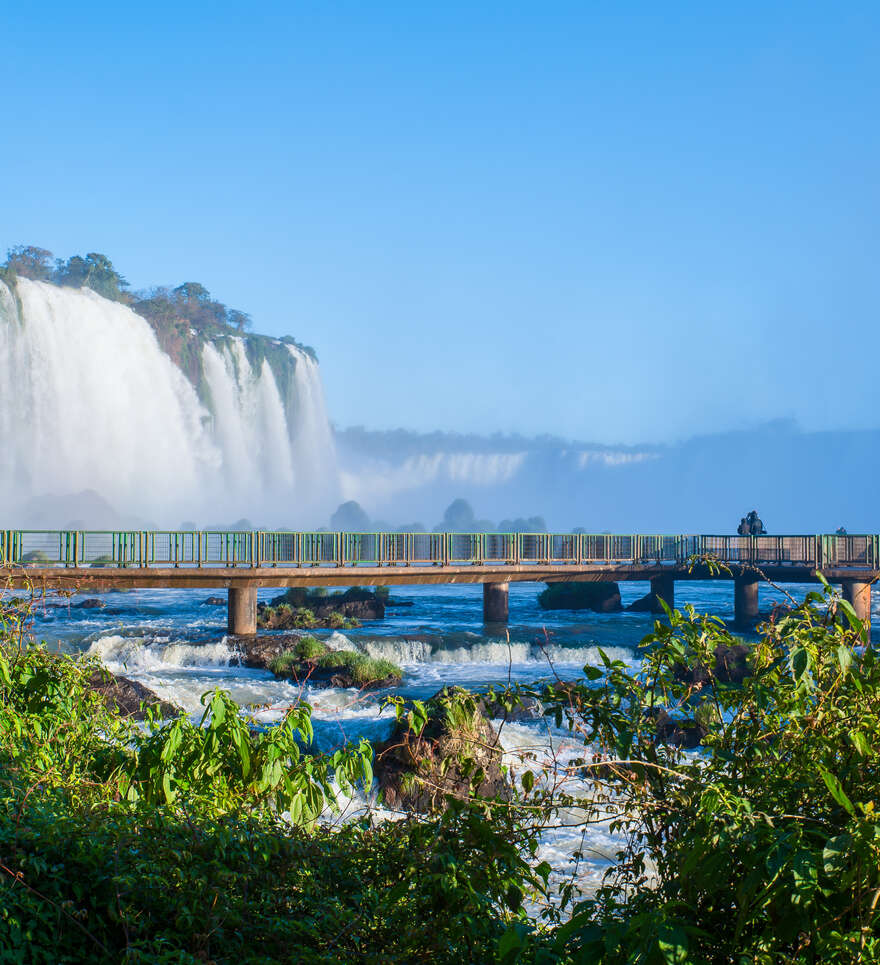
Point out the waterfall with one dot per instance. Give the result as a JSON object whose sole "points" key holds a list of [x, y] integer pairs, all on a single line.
{"points": [[89, 401], [312, 443]]}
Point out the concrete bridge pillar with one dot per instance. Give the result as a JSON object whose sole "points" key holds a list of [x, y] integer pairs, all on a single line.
{"points": [[745, 600], [242, 610], [495, 602], [858, 594], [662, 588]]}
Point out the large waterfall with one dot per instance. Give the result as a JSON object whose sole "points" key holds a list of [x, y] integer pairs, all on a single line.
{"points": [[89, 401]]}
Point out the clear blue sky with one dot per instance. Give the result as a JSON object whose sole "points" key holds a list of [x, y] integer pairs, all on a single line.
{"points": [[618, 222]]}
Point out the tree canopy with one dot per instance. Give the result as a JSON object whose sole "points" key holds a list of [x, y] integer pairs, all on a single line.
{"points": [[189, 304]]}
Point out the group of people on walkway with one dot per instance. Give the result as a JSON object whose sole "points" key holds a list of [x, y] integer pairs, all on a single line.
{"points": [[751, 525]]}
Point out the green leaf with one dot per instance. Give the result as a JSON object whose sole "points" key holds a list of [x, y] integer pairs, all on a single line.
{"points": [[592, 673], [673, 944], [800, 661], [836, 790], [835, 854]]}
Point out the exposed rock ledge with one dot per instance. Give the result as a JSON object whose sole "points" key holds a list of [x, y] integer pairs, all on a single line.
{"points": [[126, 696]]}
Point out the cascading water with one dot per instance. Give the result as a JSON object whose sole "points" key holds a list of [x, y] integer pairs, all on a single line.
{"points": [[89, 401]]}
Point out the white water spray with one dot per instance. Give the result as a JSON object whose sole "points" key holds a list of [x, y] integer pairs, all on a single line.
{"points": [[89, 401]]}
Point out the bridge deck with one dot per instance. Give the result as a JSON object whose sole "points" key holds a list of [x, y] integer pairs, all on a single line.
{"points": [[278, 559], [98, 578]]}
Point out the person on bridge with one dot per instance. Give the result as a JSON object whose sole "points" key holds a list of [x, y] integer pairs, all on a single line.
{"points": [[756, 527]]}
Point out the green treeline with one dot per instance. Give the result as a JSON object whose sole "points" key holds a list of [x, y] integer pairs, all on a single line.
{"points": [[182, 318], [189, 303]]}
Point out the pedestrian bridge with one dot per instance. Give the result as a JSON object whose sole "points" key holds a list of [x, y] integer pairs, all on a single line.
{"points": [[242, 562]]}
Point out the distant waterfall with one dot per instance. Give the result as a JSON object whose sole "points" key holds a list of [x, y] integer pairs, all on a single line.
{"points": [[89, 401]]}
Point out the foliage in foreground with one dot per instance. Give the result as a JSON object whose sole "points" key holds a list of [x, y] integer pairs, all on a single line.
{"points": [[185, 843], [763, 848], [170, 844]]}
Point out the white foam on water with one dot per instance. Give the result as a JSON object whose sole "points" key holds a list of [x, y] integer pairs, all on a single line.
{"points": [[141, 653]]}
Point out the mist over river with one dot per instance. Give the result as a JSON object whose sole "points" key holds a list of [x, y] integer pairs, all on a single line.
{"points": [[176, 645]]}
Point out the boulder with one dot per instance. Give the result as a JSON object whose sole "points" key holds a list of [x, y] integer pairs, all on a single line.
{"points": [[600, 596], [214, 601], [90, 604], [126, 696], [457, 753], [644, 604], [356, 603], [679, 732], [731, 666], [259, 651], [303, 658], [525, 708]]}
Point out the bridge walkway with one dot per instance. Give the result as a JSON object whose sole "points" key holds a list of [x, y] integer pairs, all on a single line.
{"points": [[242, 562]]}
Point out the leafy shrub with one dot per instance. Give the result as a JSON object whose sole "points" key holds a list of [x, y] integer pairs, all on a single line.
{"points": [[188, 843], [765, 847]]}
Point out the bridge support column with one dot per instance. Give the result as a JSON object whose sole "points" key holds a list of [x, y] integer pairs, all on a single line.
{"points": [[662, 588], [745, 600], [242, 610], [858, 594], [495, 602]]}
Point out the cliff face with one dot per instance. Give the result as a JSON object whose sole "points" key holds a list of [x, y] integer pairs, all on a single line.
{"points": [[186, 348]]}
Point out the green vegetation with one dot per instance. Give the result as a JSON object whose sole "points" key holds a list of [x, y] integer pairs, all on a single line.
{"points": [[307, 648], [287, 617], [309, 652], [363, 669], [299, 596], [183, 318], [169, 845], [765, 847]]}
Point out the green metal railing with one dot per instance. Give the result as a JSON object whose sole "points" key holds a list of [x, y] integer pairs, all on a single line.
{"points": [[142, 548]]}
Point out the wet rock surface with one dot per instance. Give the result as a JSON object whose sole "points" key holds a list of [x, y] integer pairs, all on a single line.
{"points": [[601, 597], [525, 708], [679, 732], [127, 696], [281, 654], [731, 666], [259, 651], [90, 604]]}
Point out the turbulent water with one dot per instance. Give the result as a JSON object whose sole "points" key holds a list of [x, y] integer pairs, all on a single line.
{"points": [[89, 401], [174, 643]]}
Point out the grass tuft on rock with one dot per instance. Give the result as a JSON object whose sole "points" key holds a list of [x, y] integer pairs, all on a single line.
{"points": [[363, 669]]}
